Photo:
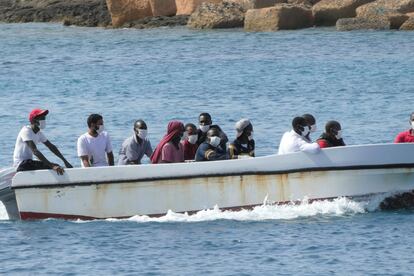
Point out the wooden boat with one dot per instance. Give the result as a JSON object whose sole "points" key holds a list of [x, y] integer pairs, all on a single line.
{"points": [[125, 191]]}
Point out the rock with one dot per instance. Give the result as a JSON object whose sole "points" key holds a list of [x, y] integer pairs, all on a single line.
{"points": [[280, 17], [89, 13], [408, 25], [187, 7], [389, 10], [327, 12], [123, 11], [257, 4], [158, 21], [359, 23], [163, 7], [214, 16], [308, 3]]}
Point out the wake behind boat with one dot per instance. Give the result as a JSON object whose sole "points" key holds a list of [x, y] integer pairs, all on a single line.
{"points": [[125, 191]]}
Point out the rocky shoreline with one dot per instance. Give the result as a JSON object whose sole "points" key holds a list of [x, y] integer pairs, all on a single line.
{"points": [[252, 15]]}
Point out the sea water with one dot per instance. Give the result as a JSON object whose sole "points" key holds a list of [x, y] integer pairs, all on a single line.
{"points": [[362, 79]]}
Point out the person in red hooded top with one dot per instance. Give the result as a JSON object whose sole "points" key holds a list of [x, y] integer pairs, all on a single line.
{"points": [[170, 150], [408, 135]]}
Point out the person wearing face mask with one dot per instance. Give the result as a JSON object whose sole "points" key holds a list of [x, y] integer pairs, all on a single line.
{"points": [[94, 147], [170, 150], [205, 124], [408, 135], [134, 147], [210, 150], [31, 135], [295, 140], [189, 143], [243, 145], [332, 137], [312, 123]]}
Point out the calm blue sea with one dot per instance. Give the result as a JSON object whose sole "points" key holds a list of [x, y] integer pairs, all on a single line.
{"points": [[362, 79]]}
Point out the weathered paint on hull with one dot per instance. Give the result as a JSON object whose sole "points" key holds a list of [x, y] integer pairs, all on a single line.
{"points": [[155, 198]]}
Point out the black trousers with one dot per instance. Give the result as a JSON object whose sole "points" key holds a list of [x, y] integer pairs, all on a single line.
{"points": [[32, 165]]}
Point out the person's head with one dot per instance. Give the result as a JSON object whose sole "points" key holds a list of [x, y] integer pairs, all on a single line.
{"points": [[213, 137], [140, 129], [300, 126], [333, 129], [311, 121], [176, 128], [244, 129], [95, 123], [191, 133], [412, 120], [205, 122], [37, 118]]}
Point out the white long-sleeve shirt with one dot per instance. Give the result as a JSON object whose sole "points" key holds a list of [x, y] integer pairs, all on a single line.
{"points": [[293, 142]]}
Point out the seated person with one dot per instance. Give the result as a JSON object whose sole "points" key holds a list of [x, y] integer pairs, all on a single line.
{"points": [[170, 150], [408, 135], [244, 143], [95, 147], [206, 124], [134, 147], [295, 141], [332, 137], [312, 123], [189, 143], [26, 146], [210, 150]]}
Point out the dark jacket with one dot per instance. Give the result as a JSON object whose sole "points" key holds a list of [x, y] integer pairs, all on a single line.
{"points": [[237, 148], [325, 141], [202, 136], [207, 152]]}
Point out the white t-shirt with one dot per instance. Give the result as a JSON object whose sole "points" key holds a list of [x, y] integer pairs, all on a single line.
{"points": [[95, 148], [293, 142], [21, 150]]}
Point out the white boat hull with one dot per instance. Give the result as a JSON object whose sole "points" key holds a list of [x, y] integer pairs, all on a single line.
{"points": [[154, 189]]}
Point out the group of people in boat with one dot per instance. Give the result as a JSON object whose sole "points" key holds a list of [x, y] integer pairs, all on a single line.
{"points": [[181, 143]]}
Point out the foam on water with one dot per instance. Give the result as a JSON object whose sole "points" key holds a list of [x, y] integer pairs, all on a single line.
{"points": [[3, 212]]}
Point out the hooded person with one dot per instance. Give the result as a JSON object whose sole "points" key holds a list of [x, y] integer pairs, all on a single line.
{"points": [[295, 140], [408, 135], [189, 143], [332, 137], [210, 150], [170, 150], [244, 144], [312, 124]]}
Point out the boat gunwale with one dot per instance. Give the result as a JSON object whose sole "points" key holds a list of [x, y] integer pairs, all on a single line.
{"points": [[246, 173]]}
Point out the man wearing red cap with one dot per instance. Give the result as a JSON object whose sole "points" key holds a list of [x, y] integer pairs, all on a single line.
{"points": [[31, 135]]}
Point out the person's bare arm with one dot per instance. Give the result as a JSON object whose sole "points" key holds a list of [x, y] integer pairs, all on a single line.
{"points": [[56, 151], [85, 161], [110, 156], [36, 152]]}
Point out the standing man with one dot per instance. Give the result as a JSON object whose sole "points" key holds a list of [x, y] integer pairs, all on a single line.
{"points": [[295, 140], [31, 135], [95, 144], [134, 147], [406, 136]]}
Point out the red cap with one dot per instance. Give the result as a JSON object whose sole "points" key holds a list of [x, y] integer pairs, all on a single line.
{"points": [[37, 112]]}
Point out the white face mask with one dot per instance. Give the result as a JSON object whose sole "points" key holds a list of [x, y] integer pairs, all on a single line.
{"points": [[313, 128], [42, 124], [215, 141], [100, 129], [251, 136], [192, 139], [142, 133], [305, 131], [204, 128], [339, 135]]}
